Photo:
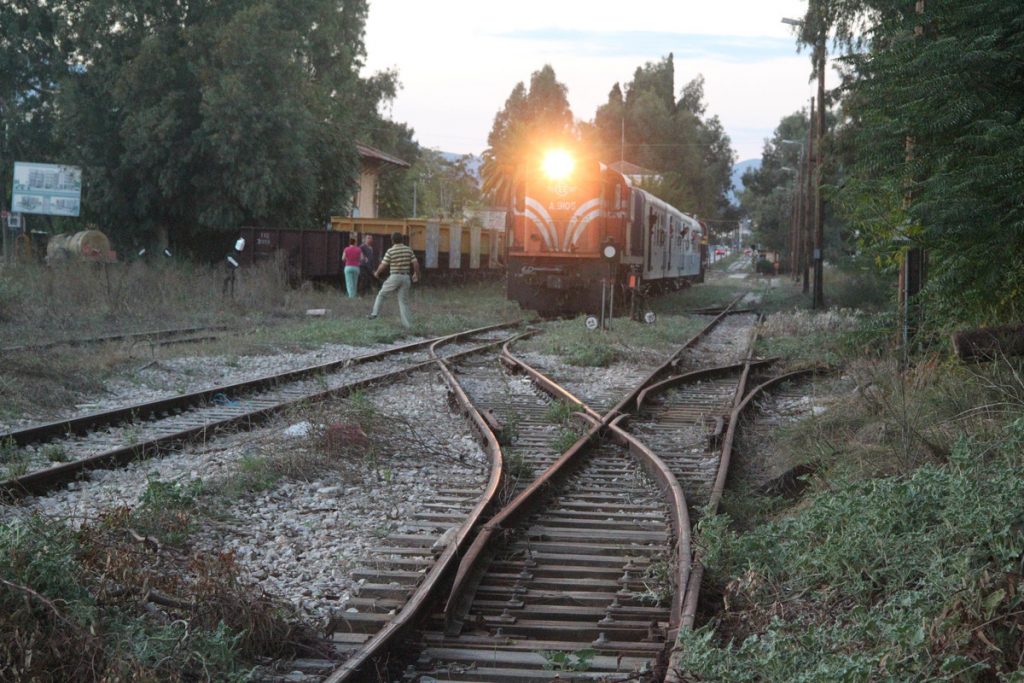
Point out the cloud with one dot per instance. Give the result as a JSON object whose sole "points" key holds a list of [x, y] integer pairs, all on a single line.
{"points": [[728, 48]]}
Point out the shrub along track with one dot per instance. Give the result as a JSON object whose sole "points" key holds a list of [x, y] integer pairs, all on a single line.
{"points": [[581, 571], [114, 437]]}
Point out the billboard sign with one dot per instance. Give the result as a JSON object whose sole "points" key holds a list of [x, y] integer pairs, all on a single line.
{"points": [[50, 189]]}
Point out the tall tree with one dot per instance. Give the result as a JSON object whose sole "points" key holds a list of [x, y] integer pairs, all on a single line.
{"points": [[646, 124], [951, 81], [33, 59], [208, 115], [531, 118], [770, 189], [445, 187]]}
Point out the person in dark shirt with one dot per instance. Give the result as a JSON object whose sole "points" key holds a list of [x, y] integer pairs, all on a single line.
{"points": [[369, 265]]}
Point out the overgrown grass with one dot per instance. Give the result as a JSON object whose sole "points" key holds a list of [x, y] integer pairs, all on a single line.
{"points": [[864, 288], [571, 341], [914, 577], [904, 559], [74, 301], [435, 311], [830, 337], [560, 412], [713, 292], [96, 604]]}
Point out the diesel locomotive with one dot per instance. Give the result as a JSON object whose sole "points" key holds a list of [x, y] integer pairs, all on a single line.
{"points": [[581, 231]]}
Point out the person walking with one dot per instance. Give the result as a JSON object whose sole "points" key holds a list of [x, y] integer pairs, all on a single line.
{"points": [[369, 265], [353, 257], [404, 270]]}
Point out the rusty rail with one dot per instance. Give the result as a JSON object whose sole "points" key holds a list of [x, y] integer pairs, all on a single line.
{"points": [[51, 477], [421, 599]]}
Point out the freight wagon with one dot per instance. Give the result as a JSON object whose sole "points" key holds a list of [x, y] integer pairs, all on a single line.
{"points": [[447, 251]]}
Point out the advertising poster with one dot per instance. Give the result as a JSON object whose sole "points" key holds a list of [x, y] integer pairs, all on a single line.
{"points": [[47, 189]]}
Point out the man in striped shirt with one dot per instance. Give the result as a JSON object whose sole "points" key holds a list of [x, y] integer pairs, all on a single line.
{"points": [[404, 270]]}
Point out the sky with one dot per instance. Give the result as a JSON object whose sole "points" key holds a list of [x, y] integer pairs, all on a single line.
{"points": [[458, 60]]}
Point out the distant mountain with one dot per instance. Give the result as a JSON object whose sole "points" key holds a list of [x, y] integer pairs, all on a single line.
{"points": [[737, 177]]}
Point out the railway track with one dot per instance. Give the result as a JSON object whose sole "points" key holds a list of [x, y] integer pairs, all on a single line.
{"points": [[114, 437], [162, 337], [581, 573]]}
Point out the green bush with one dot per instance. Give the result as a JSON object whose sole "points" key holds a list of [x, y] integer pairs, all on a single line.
{"points": [[862, 288], [913, 577]]}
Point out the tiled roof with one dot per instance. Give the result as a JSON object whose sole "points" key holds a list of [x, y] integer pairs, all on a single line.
{"points": [[368, 152]]}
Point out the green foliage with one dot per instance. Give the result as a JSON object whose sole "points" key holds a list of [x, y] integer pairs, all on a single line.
{"points": [[443, 188], [560, 412], [860, 285], [531, 118], [895, 578], [54, 629], [517, 468], [567, 436], [568, 661], [768, 190], [674, 138], [33, 52], [196, 117], [165, 509], [950, 89]]}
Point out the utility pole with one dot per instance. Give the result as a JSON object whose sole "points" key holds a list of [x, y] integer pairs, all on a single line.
{"points": [[798, 208], [818, 300], [914, 264], [807, 236]]}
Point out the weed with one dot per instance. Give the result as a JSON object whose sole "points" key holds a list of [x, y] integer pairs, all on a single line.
{"points": [[557, 660], [16, 460], [73, 607], [9, 451], [132, 434], [55, 453], [560, 412], [567, 436], [510, 430], [658, 585], [18, 468], [516, 467], [165, 510], [864, 567], [252, 475]]}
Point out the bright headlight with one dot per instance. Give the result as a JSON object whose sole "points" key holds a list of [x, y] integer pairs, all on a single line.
{"points": [[558, 164]]}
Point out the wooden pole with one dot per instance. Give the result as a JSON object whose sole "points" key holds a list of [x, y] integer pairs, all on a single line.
{"points": [[809, 178], [818, 301], [913, 265]]}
